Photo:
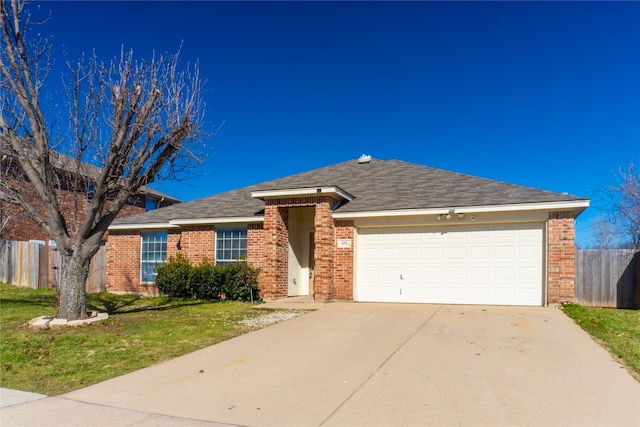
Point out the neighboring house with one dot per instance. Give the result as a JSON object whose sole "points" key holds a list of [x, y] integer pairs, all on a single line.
{"points": [[74, 191], [368, 230]]}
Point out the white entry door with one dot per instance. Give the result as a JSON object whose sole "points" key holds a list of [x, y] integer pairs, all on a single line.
{"points": [[493, 265]]}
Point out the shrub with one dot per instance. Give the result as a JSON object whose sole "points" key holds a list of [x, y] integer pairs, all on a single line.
{"points": [[173, 277], [205, 281], [240, 282], [233, 281]]}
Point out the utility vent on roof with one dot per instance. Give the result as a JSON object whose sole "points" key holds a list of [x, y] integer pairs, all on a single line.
{"points": [[365, 158]]}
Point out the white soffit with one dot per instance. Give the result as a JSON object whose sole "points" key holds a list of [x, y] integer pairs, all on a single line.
{"points": [[230, 220], [578, 206], [335, 192], [158, 225]]}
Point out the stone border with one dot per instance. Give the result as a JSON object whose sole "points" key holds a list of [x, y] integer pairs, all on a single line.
{"points": [[46, 322]]}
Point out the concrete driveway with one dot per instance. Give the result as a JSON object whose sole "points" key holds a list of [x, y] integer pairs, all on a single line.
{"points": [[352, 364]]}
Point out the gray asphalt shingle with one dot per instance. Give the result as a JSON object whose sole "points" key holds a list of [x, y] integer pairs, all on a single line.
{"points": [[378, 185]]}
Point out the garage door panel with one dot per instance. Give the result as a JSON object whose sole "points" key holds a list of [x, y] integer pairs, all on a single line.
{"points": [[480, 273], [412, 253], [433, 254], [456, 273], [469, 265], [529, 273], [503, 252], [529, 251], [432, 274], [482, 293], [504, 273], [481, 252]]}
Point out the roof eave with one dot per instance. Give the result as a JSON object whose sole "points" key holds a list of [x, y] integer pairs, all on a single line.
{"points": [[332, 191], [577, 206], [145, 226]]}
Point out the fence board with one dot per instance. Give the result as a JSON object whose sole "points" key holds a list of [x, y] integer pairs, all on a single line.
{"points": [[607, 278], [36, 265]]}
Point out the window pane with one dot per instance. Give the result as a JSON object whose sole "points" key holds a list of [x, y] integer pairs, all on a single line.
{"points": [[231, 244], [153, 253]]}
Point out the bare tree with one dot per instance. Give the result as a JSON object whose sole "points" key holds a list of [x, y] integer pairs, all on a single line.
{"points": [[130, 122], [620, 225]]}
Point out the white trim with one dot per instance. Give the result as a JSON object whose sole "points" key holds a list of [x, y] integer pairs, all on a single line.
{"points": [[157, 225], [580, 204], [142, 282], [230, 220], [300, 192]]}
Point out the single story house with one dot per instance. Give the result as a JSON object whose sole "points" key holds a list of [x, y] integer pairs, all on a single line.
{"points": [[368, 230]]}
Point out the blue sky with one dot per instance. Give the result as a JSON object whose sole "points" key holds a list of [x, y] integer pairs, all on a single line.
{"points": [[541, 94]]}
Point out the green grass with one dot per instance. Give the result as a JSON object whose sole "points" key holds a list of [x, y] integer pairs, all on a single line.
{"points": [[140, 332], [618, 331]]}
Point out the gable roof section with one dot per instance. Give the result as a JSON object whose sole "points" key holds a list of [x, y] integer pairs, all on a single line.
{"points": [[87, 171], [380, 185]]}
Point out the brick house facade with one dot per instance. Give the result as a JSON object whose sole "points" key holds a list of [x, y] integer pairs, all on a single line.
{"points": [[304, 243], [73, 204]]}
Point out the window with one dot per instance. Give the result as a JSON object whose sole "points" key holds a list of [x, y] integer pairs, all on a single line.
{"points": [[153, 253], [231, 245], [151, 204], [91, 191]]}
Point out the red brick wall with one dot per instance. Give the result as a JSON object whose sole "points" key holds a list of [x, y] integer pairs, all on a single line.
{"points": [[343, 262], [561, 257], [255, 245], [275, 249], [73, 206], [123, 264], [273, 277], [198, 243], [325, 243]]}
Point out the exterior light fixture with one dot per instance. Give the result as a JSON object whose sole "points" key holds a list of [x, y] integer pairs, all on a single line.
{"points": [[460, 215], [448, 216]]}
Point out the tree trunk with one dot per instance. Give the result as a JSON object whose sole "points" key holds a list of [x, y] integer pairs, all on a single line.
{"points": [[74, 271]]}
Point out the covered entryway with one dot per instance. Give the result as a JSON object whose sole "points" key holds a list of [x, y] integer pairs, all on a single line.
{"points": [[499, 264], [298, 241], [301, 251]]}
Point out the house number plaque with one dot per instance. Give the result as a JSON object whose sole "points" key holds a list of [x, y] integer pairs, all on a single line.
{"points": [[344, 243]]}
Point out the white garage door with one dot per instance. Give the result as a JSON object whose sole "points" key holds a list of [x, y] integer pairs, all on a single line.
{"points": [[500, 265]]}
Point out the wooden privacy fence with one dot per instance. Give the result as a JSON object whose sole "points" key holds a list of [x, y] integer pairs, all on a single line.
{"points": [[37, 265], [608, 278]]}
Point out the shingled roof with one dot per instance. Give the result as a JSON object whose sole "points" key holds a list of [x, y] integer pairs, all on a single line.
{"points": [[376, 186], [88, 172]]}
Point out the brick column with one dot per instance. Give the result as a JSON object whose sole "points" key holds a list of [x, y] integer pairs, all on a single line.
{"points": [[561, 257], [276, 252], [324, 252], [343, 262]]}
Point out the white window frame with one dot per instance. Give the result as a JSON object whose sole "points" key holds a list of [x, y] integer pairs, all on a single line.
{"points": [[233, 245], [163, 260]]}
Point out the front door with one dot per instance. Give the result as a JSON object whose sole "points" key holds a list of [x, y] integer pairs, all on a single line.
{"points": [[300, 261], [312, 260]]}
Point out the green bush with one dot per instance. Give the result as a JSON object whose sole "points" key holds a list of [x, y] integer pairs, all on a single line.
{"points": [[233, 281], [173, 277], [205, 281], [240, 282]]}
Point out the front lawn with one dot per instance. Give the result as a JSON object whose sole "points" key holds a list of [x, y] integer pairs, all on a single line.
{"points": [[140, 332], [618, 331]]}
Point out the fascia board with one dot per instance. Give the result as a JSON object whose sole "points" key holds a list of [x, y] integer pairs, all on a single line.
{"points": [[579, 205], [201, 221], [300, 192], [156, 225]]}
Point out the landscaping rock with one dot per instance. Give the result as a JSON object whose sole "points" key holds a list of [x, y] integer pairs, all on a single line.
{"points": [[58, 322], [41, 322], [46, 322]]}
